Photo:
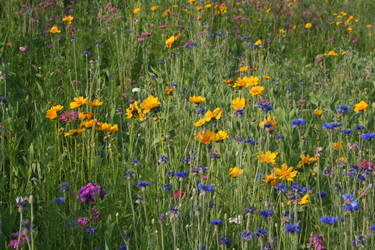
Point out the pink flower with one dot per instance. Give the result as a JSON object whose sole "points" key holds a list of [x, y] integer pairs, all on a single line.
{"points": [[140, 40], [163, 26], [23, 48]]}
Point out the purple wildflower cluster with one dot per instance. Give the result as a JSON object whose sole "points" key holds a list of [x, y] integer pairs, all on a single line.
{"points": [[90, 192]]}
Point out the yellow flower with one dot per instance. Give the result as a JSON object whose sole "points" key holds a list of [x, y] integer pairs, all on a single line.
{"points": [[191, 1], [285, 173], [217, 113], [169, 42], [238, 103], [208, 6], [199, 8], [269, 120], [282, 31], [306, 160], [271, 179], [197, 99], [308, 25], [318, 112], [255, 91], [268, 157], [258, 43], [95, 103], [114, 128], [205, 136], [54, 29], [235, 172], [348, 21], [304, 200], [154, 8], [223, 8], [336, 145], [251, 81], [87, 124], [149, 103], [68, 19], [169, 90], [349, 30], [332, 53], [77, 131], [136, 11], [266, 77], [85, 115], [201, 122], [361, 106], [78, 102], [369, 26], [244, 68], [229, 81], [221, 135], [135, 111], [52, 112]]}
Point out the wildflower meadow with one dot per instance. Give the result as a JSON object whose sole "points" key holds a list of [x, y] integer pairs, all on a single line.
{"points": [[187, 124]]}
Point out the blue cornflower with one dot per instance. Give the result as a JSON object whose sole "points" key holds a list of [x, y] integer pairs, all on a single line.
{"points": [[350, 204], [328, 220], [359, 128], [135, 162], [167, 187], [211, 36], [143, 184], [102, 153], [224, 240], [200, 111], [250, 210], [163, 159], [86, 53], [331, 125], [91, 230], [216, 222], [373, 228], [261, 232], [3, 100], [181, 174], [207, 188], [281, 188], [343, 109], [298, 122], [290, 228], [280, 137], [160, 63], [188, 159], [64, 187], [239, 113], [322, 195], [59, 200], [266, 213], [347, 131], [123, 247], [267, 125], [250, 141], [247, 235], [368, 136]]}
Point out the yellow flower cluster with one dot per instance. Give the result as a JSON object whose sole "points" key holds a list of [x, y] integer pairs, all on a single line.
{"points": [[216, 114], [147, 105]]}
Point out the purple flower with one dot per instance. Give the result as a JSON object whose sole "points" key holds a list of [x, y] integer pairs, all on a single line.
{"points": [[90, 192]]}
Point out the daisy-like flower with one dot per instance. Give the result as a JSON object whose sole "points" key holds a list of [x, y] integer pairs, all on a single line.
{"points": [[68, 19], [77, 131], [272, 179], [205, 136], [255, 91], [268, 157], [285, 173], [149, 103], [221, 135], [52, 112], [361, 106], [136, 10], [304, 200], [54, 29], [235, 172], [169, 42], [78, 102], [306, 160], [85, 115], [197, 99], [135, 111], [238, 103], [95, 103], [269, 121]]}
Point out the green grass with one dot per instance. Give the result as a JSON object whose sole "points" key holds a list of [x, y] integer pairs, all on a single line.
{"points": [[36, 157]]}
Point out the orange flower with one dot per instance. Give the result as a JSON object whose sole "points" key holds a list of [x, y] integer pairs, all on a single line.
{"points": [[78, 102]]}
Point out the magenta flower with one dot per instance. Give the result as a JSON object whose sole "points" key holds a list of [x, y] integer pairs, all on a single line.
{"points": [[69, 116], [82, 222], [23, 48], [90, 193]]}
